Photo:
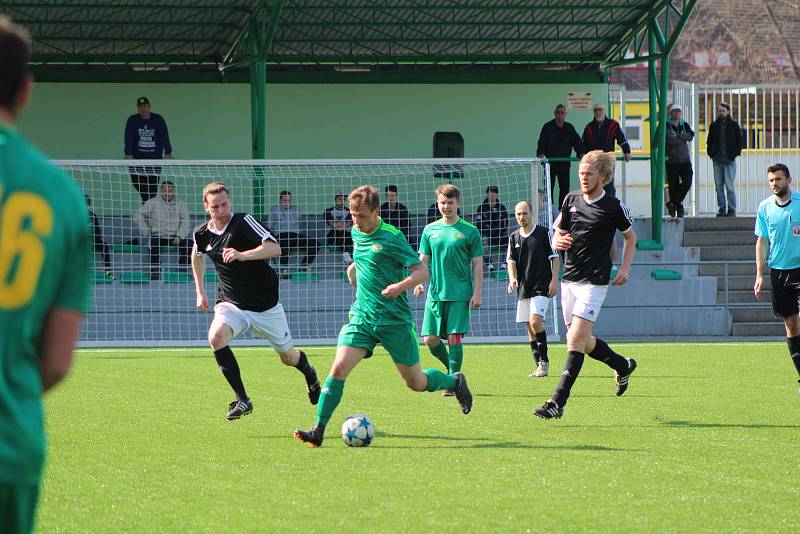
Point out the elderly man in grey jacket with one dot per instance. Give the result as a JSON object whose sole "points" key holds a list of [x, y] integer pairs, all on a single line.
{"points": [[679, 164], [284, 223], [164, 221]]}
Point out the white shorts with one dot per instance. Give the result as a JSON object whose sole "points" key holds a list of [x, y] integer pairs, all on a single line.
{"points": [[527, 308], [270, 324], [581, 299]]}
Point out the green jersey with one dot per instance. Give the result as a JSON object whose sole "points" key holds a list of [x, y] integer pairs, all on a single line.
{"points": [[381, 259], [451, 249], [45, 255]]}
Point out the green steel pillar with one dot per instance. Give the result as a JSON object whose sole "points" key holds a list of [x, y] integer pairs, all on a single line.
{"points": [[258, 123], [658, 119]]}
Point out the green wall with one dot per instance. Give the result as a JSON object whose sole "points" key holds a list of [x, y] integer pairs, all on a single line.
{"points": [[310, 121]]}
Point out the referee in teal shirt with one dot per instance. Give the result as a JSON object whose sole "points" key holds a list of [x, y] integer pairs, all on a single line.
{"points": [[778, 228]]}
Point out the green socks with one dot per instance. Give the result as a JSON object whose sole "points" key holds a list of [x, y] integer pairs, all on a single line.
{"points": [[437, 380], [456, 358], [440, 352], [329, 399]]}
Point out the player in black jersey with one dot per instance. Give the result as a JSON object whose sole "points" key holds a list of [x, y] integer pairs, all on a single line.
{"points": [[247, 292], [533, 273], [585, 232]]}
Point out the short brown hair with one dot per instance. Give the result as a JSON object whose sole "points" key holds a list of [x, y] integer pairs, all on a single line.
{"points": [[448, 190], [726, 106], [603, 162], [213, 188], [364, 195], [15, 48], [775, 167]]}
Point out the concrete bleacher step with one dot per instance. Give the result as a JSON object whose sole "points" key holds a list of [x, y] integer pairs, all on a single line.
{"points": [[726, 224], [734, 269], [743, 296], [744, 283], [754, 314], [775, 328], [728, 252], [718, 237]]}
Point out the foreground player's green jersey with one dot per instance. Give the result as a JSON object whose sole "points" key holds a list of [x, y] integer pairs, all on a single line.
{"points": [[451, 249], [45, 259], [381, 259]]}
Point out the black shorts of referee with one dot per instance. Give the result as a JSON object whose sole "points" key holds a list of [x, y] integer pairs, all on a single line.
{"points": [[785, 291]]}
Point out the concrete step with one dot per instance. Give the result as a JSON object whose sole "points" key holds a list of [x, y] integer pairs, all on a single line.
{"points": [[774, 328], [755, 314], [742, 296], [728, 252], [734, 269], [715, 237], [742, 283], [705, 224]]}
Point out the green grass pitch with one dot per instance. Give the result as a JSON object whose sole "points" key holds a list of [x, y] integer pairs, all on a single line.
{"points": [[707, 439]]}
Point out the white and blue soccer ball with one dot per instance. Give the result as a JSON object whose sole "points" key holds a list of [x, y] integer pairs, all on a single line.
{"points": [[358, 431]]}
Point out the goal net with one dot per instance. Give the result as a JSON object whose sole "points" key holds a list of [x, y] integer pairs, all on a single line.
{"points": [[144, 291]]}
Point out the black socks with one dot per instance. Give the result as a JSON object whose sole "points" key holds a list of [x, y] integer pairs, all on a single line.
{"points": [[603, 353], [572, 367], [230, 369]]}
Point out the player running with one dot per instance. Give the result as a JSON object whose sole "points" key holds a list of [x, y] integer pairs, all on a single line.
{"points": [[452, 248], [247, 292], [380, 313], [533, 273], [585, 232]]}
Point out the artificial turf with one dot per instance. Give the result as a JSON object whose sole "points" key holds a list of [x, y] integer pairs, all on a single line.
{"points": [[705, 440]]}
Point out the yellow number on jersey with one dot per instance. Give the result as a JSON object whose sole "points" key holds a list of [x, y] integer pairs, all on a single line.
{"points": [[21, 244]]}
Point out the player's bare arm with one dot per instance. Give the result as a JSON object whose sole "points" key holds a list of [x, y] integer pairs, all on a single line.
{"points": [[555, 266], [351, 274], [477, 282], [419, 289], [266, 250], [198, 267], [627, 258], [418, 275], [761, 253], [60, 332], [513, 283]]}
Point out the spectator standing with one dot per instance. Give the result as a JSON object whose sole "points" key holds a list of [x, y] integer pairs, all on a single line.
{"points": [[146, 137], [100, 246], [601, 134], [492, 221], [679, 165], [558, 139], [164, 221], [723, 146], [284, 221]]}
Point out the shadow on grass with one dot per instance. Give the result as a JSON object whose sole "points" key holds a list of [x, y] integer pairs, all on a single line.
{"points": [[691, 424], [627, 396], [510, 396]]}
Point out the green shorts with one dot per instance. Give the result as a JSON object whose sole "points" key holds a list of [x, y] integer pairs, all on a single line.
{"points": [[443, 317], [400, 340], [17, 508]]}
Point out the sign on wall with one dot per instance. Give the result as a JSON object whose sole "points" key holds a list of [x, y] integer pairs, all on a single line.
{"points": [[579, 100]]}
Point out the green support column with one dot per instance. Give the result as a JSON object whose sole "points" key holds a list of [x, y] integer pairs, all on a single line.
{"points": [[258, 123], [655, 204]]}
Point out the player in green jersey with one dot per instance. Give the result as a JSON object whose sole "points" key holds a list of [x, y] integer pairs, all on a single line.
{"points": [[380, 313], [453, 249], [45, 257]]}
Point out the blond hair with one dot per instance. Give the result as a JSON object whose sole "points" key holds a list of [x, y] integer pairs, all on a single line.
{"points": [[364, 195], [603, 163], [213, 188]]}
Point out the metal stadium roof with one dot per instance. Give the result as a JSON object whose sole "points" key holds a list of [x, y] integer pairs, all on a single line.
{"points": [[315, 33]]}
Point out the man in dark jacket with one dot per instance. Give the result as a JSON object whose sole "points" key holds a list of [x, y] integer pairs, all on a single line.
{"points": [[146, 137], [601, 134], [395, 213], [679, 165], [724, 145], [557, 140], [492, 222]]}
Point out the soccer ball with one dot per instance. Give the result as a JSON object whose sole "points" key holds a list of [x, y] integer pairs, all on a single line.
{"points": [[358, 431]]}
